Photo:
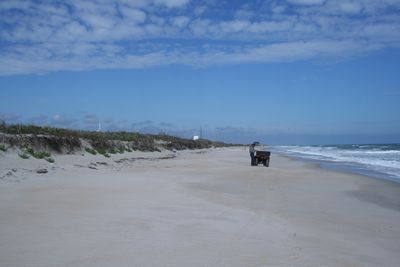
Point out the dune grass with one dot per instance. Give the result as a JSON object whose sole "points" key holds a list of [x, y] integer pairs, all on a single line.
{"points": [[62, 140], [51, 160], [3, 147], [91, 151], [37, 154], [24, 156]]}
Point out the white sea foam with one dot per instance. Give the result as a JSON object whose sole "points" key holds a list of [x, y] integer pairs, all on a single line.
{"points": [[382, 159]]}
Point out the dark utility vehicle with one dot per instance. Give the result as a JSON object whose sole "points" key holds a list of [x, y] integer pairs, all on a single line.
{"points": [[263, 157]]}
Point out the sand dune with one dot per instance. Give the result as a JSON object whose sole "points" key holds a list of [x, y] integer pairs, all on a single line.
{"points": [[193, 208]]}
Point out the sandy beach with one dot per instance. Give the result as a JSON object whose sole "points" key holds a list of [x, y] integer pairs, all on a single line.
{"points": [[193, 208]]}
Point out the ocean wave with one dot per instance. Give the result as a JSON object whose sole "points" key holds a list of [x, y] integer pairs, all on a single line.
{"points": [[384, 159]]}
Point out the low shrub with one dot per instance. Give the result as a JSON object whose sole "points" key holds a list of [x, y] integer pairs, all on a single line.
{"points": [[51, 160], [30, 151], [3, 148], [101, 150], [24, 156], [37, 154], [41, 155], [91, 151], [113, 151]]}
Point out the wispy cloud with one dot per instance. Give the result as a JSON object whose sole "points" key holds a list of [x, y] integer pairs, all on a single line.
{"points": [[56, 120], [63, 121], [276, 133], [90, 119], [307, 2], [9, 117], [45, 36], [41, 120]]}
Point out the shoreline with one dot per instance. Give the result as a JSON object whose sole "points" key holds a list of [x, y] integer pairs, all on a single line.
{"points": [[200, 208], [345, 167], [362, 178]]}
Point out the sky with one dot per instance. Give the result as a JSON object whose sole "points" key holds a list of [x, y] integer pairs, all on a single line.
{"points": [[278, 72]]}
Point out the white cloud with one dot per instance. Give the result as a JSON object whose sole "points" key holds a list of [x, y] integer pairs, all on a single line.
{"points": [[44, 36], [57, 118], [234, 26], [7, 5], [90, 119], [351, 7], [306, 2], [9, 118], [133, 14], [244, 14], [279, 9], [200, 27], [384, 32], [199, 10], [172, 3], [180, 21], [286, 52], [72, 31], [98, 21], [39, 120], [61, 121], [271, 26]]}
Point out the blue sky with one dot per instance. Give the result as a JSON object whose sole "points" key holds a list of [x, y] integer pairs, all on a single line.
{"points": [[281, 72]]}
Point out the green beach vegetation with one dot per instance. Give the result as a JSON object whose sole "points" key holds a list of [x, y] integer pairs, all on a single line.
{"points": [[91, 151], [24, 156], [37, 154], [39, 141], [51, 160], [3, 147]]}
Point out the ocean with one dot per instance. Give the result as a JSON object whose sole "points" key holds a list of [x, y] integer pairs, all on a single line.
{"points": [[375, 160]]}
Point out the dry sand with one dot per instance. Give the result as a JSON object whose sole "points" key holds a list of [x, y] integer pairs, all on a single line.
{"points": [[201, 208]]}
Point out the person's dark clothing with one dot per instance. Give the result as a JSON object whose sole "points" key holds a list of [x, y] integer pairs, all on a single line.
{"points": [[252, 151]]}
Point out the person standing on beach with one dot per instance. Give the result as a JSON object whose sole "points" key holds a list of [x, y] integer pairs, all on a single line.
{"points": [[252, 151]]}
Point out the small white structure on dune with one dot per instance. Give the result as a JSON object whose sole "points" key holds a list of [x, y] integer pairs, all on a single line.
{"points": [[197, 137]]}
